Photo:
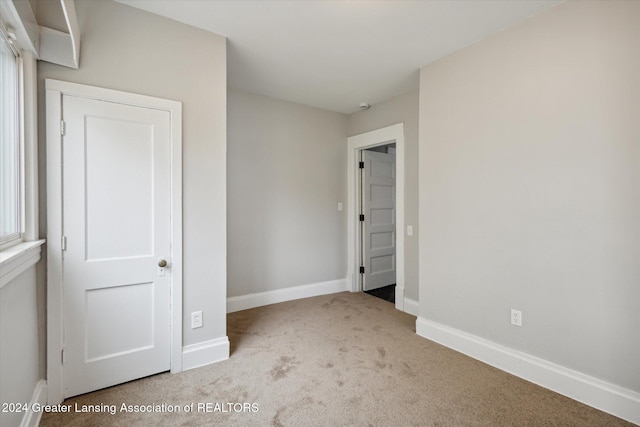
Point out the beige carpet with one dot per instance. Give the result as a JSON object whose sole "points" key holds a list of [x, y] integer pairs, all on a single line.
{"points": [[336, 360]]}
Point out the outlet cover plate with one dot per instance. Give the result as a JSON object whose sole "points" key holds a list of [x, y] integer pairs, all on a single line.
{"points": [[196, 319], [516, 317]]}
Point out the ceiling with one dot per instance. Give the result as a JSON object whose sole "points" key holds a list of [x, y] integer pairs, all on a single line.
{"points": [[336, 54]]}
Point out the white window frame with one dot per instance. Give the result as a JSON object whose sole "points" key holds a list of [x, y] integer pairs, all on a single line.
{"points": [[11, 239], [19, 254]]}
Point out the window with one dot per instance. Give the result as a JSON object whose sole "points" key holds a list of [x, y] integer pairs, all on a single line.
{"points": [[20, 243], [10, 170]]}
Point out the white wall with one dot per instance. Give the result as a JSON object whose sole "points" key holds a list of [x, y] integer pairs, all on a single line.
{"points": [[401, 109], [529, 189], [19, 348], [131, 50], [286, 175]]}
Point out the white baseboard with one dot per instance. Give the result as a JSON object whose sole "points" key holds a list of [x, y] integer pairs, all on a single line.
{"points": [[259, 299], [411, 306], [406, 304], [32, 418], [205, 353], [607, 397]]}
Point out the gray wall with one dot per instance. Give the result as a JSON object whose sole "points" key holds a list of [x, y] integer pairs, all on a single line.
{"points": [[131, 50], [403, 109], [286, 175], [529, 197], [19, 349]]}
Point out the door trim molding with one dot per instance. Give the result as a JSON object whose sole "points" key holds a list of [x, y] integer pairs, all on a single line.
{"points": [[55, 89], [356, 143]]}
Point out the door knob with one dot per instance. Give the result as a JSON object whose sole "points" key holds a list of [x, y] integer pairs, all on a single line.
{"points": [[162, 263]]}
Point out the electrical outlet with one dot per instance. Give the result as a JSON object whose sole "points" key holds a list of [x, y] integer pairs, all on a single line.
{"points": [[516, 317], [196, 319]]}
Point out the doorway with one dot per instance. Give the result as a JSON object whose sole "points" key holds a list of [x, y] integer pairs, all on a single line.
{"points": [[114, 202], [356, 146], [377, 221]]}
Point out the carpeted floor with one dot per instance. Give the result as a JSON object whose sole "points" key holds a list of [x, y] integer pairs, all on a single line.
{"points": [[346, 359]]}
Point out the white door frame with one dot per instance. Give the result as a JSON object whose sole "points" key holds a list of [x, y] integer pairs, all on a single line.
{"points": [[54, 91], [384, 136]]}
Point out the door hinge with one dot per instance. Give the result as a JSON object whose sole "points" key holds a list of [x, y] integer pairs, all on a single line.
{"points": [[62, 127], [361, 217], [62, 356], [361, 165], [63, 243], [362, 269]]}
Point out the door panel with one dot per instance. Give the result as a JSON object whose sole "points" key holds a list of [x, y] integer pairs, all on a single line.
{"points": [[114, 308], [117, 224], [378, 227]]}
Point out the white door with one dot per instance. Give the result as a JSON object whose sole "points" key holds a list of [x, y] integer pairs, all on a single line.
{"points": [[117, 226], [378, 226]]}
